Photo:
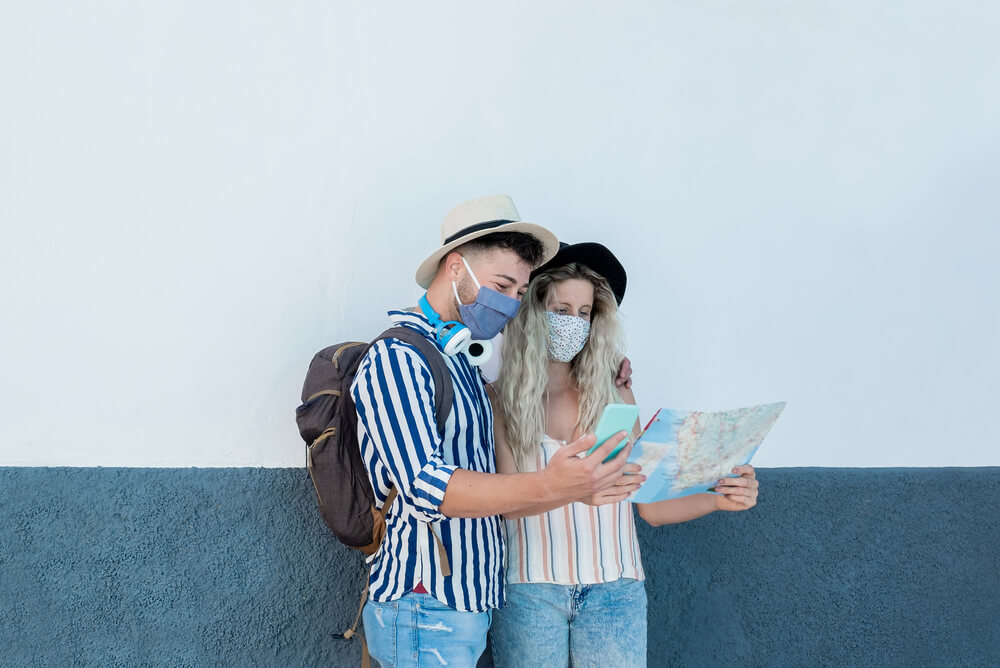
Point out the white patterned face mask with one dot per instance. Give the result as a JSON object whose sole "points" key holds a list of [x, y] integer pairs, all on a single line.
{"points": [[567, 336]]}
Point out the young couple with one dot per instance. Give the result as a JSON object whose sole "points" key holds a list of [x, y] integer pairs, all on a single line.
{"points": [[507, 492]]}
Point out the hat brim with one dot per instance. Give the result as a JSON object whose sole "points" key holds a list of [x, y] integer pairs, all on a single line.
{"points": [[595, 256], [428, 268]]}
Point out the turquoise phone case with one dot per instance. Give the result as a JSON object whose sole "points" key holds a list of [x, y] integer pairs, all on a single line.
{"points": [[615, 418]]}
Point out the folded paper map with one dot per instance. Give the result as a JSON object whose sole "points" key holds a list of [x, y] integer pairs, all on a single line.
{"points": [[687, 452]]}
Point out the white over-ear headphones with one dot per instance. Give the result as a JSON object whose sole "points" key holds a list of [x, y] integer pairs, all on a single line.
{"points": [[455, 337]]}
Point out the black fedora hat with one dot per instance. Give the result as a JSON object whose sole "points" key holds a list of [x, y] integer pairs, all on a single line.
{"points": [[593, 256]]}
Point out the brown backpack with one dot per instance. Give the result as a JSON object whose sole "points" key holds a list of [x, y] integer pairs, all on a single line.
{"points": [[328, 422]]}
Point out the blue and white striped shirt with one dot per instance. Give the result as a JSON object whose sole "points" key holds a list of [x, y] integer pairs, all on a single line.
{"points": [[400, 445]]}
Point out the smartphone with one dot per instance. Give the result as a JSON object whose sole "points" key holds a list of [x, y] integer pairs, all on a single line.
{"points": [[615, 418]]}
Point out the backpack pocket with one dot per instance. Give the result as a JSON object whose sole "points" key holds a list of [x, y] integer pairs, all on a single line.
{"points": [[314, 416], [345, 498]]}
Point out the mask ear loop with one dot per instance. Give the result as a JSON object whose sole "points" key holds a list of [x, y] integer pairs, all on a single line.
{"points": [[478, 352], [458, 299], [454, 288], [474, 279]]}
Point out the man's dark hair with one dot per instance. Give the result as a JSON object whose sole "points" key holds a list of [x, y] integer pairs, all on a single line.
{"points": [[527, 247]]}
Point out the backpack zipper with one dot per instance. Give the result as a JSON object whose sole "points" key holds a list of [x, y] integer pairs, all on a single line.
{"points": [[342, 348], [333, 393], [322, 437]]}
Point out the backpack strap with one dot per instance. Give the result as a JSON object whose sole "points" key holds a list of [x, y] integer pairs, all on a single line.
{"points": [[444, 391], [351, 632], [444, 394]]}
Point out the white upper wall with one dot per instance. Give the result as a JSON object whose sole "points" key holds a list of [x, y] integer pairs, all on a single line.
{"points": [[196, 197]]}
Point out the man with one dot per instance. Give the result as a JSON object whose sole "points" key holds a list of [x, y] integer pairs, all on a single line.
{"points": [[426, 599]]}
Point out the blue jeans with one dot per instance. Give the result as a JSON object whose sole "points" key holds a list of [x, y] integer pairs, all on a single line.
{"points": [[419, 630], [549, 624]]}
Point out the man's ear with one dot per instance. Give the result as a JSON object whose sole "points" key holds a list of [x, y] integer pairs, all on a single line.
{"points": [[453, 265]]}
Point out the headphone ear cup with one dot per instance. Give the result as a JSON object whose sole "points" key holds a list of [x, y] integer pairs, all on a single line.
{"points": [[479, 352], [454, 339]]}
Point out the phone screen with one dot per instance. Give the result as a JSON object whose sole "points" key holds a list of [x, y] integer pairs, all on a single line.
{"points": [[615, 418]]}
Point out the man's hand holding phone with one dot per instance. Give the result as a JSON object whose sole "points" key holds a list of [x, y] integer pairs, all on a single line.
{"points": [[596, 478]]}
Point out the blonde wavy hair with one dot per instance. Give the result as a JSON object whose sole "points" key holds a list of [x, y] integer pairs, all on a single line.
{"points": [[524, 377]]}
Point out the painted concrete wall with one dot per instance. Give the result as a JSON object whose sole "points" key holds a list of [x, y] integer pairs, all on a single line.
{"points": [[194, 567], [196, 197]]}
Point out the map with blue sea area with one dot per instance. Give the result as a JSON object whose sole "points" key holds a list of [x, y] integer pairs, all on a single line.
{"points": [[687, 452]]}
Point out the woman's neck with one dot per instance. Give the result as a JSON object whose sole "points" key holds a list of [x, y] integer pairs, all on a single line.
{"points": [[562, 403], [560, 377]]}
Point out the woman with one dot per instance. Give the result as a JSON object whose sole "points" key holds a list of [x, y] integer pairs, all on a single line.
{"points": [[574, 574]]}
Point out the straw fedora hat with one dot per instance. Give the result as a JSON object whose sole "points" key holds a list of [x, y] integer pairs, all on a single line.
{"points": [[477, 218]]}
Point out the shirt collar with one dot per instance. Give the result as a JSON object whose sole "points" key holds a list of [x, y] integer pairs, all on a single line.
{"points": [[414, 319]]}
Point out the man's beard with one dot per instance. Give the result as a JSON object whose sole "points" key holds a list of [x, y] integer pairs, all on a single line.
{"points": [[467, 290]]}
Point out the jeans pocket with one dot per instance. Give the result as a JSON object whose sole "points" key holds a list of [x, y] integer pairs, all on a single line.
{"points": [[380, 631]]}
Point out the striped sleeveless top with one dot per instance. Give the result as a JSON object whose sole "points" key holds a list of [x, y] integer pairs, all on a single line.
{"points": [[575, 544]]}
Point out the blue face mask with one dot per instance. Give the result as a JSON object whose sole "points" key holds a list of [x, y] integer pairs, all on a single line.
{"points": [[489, 313]]}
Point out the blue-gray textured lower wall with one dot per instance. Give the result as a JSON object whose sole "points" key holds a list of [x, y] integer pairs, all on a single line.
{"points": [[195, 567]]}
